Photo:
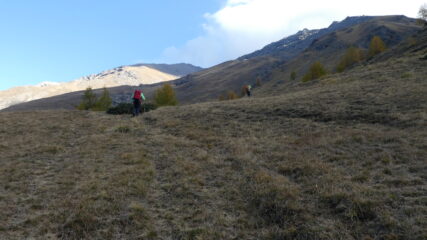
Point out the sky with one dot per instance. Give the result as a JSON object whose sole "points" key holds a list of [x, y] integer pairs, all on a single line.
{"points": [[62, 40]]}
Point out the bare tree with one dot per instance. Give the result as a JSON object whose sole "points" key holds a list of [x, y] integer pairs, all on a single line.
{"points": [[422, 15]]}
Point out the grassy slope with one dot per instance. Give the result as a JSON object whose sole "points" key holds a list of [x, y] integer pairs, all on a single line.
{"points": [[281, 83], [340, 158]]}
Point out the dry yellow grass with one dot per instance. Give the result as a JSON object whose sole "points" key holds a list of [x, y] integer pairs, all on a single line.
{"points": [[340, 158]]}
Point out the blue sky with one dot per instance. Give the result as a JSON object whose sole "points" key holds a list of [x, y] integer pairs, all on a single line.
{"points": [[61, 40]]}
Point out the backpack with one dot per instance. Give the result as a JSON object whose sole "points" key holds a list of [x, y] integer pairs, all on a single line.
{"points": [[137, 94]]}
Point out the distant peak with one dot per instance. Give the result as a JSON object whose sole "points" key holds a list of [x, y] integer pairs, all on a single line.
{"points": [[45, 84], [304, 30]]}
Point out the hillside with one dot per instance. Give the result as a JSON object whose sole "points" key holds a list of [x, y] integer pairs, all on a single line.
{"points": [[304, 48], [329, 48], [272, 64], [342, 157], [180, 69], [125, 75], [289, 47]]}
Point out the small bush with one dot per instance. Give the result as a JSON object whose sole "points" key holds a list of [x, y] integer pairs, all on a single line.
{"points": [[376, 46], [293, 75], [88, 100], [165, 96], [122, 108], [230, 95], [104, 102], [127, 108], [316, 71], [91, 102], [352, 56]]}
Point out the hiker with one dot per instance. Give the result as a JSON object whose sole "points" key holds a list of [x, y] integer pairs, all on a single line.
{"points": [[248, 90], [138, 96]]}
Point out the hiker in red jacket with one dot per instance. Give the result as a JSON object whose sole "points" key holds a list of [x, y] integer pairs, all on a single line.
{"points": [[138, 96]]}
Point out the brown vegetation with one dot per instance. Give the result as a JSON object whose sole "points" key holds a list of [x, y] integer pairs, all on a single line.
{"points": [[316, 71], [342, 157], [231, 95], [165, 96], [352, 56], [376, 46]]}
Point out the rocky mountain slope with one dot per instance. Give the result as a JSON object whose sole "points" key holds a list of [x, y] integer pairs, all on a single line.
{"points": [[179, 69], [328, 48], [395, 31], [126, 75], [289, 47], [342, 157]]}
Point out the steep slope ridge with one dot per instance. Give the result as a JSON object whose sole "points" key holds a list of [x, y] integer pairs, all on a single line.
{"points": [[125, 75], [327, 47], [290, 46], [179, 69], [339, 158]]}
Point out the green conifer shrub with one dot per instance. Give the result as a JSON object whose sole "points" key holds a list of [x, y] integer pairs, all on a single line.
{"points": [[293, 75], [89, 100], [104, 102], [316, 71], [165, 96], [127, 108]]}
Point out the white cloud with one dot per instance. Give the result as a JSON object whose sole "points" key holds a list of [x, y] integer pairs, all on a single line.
{"points": [[243, 26]]}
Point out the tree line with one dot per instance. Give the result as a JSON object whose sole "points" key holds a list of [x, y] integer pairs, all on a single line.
{"points": [[164, 96], [351, 57]]}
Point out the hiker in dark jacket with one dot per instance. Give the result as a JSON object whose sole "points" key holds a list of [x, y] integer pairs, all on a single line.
{"points": [[248, 90], [138, 96]]}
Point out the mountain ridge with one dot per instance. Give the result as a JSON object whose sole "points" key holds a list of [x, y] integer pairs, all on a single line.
{"points": [[289, 46], [132, 75], [274, 70]]}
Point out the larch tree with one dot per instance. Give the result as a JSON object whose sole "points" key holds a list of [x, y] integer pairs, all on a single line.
{"points": [[316, 71], [88, 100], [165, 96], [376, 46]]}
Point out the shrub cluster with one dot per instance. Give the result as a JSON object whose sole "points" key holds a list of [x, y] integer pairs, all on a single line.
{"points": [[91, 102], [376, 46], [165, 96], [293, 75], [316, 71], [352, 56], [230, 95], [127, 108]]}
